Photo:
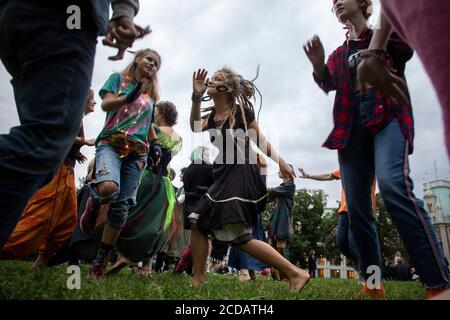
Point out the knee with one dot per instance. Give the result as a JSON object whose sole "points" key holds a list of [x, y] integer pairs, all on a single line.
{"points": [[107, 188], [389, 184], [118, 214]]}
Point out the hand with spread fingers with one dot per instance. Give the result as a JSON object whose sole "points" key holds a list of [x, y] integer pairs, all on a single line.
{"points": [[121, 35], [304, 175], [316, 53], [382, 78], [200, 82]]}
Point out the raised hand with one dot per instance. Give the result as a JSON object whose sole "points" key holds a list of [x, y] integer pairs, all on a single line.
{"points": [[121, 34], [200, 82], [315, 52], [381, 77]]}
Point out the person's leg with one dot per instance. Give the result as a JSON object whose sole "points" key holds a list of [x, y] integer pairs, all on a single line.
{"points": [[35, 223], [297, 278], [345, 241], [63, 216], [130, 169], [199, 251], [354, 255], [407, 212], [357, 176], [51, 68], [244, 275], [356, 162], [130, 174], [342, 234], [104, 189], [274, 273]]}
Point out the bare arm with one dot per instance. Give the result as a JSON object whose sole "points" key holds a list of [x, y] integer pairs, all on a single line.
{"points": [[381, 34], [196, 117], [266, 148], [318, 177], [111, 102], [152, 134], [80, 141]]}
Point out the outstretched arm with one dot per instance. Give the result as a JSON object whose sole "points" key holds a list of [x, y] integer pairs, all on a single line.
{"points": [[265, 146], [318, 177]]}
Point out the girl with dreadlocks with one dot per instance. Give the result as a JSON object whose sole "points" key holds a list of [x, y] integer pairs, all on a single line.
{"points": [[122, 148], [374, 137], [229, 209]]}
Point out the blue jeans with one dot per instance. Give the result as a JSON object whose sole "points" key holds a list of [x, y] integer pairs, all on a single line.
{"points": [[345, 241], [385, 155], [51, 68], [125, 173]]}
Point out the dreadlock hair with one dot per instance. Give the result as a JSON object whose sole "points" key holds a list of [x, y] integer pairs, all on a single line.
{"points": [[130, 72], [241, 94]]}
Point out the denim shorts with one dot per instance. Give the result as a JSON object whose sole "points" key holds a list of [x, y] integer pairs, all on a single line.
{"points": [[125, 173]]}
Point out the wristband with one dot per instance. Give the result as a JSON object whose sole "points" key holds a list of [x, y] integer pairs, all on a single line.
{"points": [[196, 97]]}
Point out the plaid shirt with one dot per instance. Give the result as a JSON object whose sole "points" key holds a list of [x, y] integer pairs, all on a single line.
{"points": [[339, 77]]}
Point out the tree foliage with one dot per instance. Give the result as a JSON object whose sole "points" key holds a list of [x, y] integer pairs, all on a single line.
{"points": [[318, 229]]}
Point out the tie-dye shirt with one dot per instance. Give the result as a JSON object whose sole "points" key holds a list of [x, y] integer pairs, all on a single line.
{"points": [[126, 129]]}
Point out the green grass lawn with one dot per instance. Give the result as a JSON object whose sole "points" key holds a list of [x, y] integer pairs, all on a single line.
{"points": [[17, 281]]}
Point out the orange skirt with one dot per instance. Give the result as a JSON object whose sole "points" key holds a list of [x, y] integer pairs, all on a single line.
{"points": [[48, 221]]}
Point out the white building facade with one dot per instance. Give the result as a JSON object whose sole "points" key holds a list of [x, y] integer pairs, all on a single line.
{"points": [[437, 203]]}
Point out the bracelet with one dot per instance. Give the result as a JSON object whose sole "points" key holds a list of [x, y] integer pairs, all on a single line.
{"points": [[196, 97]]}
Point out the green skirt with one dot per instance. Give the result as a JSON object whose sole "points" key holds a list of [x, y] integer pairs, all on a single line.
{"points": [[144, 234]]}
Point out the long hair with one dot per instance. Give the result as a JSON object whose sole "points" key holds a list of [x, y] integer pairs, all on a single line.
{"points": [[241, 94], [130, 73]]}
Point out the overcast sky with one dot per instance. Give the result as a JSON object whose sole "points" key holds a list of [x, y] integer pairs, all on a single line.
{"points": [[296, 115]]}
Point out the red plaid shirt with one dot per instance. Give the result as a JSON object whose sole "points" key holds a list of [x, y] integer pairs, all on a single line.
{"points": [[338, 77]]}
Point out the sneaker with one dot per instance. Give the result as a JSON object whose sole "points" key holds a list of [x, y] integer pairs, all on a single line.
{"points": [[89, 217], [98, 268], [373, 293]]}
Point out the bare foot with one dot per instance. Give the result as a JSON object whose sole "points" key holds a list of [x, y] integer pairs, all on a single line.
{"points": [[298, 281], [119, 265], [196, 283], [143, 272], [244, 277], [41, 262]]}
